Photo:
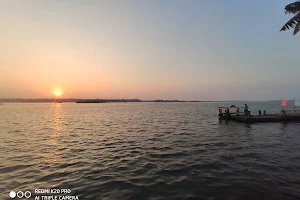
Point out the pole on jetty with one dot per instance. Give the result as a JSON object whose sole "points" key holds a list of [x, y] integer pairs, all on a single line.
{"points": [[284, 115], [294, 104]]}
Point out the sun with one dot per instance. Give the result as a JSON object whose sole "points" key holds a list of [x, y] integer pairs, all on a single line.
{"points": [[57, 93]]}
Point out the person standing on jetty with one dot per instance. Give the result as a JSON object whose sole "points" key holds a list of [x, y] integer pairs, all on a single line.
{"points": [[246, 109]]}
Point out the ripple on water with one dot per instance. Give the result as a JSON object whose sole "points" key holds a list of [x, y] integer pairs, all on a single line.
{"points": [[147, 151]]}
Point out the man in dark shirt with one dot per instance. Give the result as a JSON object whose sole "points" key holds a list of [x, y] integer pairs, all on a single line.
{"points": [[246, 109]]}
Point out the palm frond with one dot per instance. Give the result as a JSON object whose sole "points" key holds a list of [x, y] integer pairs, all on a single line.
{"points": [[297, 28], [291, 23], [293, 8]]}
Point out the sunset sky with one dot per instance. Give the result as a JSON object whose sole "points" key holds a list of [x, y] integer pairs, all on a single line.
{"points": [[167, 49]]}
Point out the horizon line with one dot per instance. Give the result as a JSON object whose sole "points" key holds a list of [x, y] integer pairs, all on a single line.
{"points": [[126, 99]]}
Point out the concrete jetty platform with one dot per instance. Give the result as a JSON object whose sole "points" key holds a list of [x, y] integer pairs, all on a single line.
{"points": [[284, 116], [265, 118]]}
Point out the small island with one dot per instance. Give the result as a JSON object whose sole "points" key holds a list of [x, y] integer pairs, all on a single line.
{"points": [[107, 100]]}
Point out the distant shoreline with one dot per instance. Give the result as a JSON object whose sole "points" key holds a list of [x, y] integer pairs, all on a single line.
{"points": [[47, 100]]}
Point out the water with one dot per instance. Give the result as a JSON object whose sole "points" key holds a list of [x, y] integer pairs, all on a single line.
{"points": [[147, 151]]}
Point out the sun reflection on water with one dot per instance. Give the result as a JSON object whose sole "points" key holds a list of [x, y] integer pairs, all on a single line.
{"points": [[52, 154]]}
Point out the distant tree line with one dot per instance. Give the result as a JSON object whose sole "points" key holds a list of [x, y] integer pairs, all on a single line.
{"points": [[61, 100]]}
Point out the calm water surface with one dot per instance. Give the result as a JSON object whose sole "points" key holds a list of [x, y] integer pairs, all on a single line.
{"points": [[147, 151]]}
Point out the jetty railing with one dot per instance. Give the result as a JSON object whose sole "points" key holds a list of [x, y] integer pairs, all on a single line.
{"points": [[291, 113]]}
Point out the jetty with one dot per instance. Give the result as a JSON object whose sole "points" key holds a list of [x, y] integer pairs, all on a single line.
{"points": [[284, 116]]}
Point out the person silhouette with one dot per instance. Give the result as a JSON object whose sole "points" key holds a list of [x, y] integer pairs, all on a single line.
{"points": [[246, 109]]}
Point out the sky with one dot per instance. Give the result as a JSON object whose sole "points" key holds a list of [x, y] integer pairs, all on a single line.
{"points": [[158, 49]]}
